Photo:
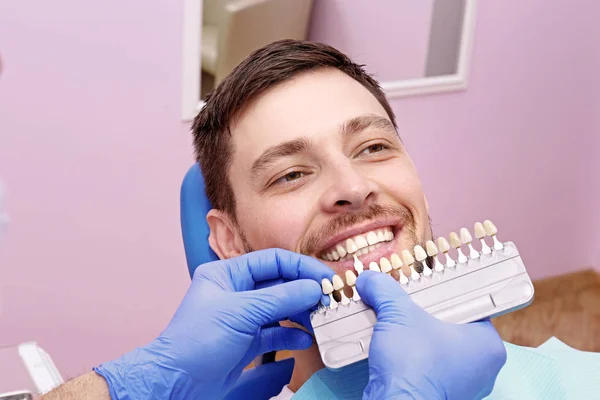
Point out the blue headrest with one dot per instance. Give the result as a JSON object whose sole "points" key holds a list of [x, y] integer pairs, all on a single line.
{"points": [[194, 228]]}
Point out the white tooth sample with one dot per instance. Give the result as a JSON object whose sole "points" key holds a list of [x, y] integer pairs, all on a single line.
{"points": [[480, 234], [351, 246], [328, 290], [491, 230], [397, 265], [361, 242], [374, 267], [444, 246], [381, 236], [351, 281], [341, 250], [409, 260], [465, 237], [421, 256], [335, 255], [372, 238], [456, 243], [338, 286], [386, 266], [432, 251], [358, 266]]}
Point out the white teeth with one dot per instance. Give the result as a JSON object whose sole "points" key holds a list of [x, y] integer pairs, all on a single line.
{"points": [[341, 250], [389, 235], [329, 257], [372, 238], [374, 267], [351, 246], [381, 236], [386, 267], [455, 240], [420, 254], [443, 245], [479, 230], [335, 255], [465, 236], [361, 242]]}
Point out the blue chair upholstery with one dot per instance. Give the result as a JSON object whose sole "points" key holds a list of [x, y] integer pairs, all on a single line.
{"points": [[263, 381]]}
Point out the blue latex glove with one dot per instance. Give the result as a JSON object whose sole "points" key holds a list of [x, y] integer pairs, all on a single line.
{"points": [[217, 330], [414, 355]]}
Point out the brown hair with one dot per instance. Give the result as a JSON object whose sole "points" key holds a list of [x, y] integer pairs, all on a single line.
{"points": [[263, 69]]}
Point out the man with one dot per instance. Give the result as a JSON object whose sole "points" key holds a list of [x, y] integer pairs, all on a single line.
{"points": [[299, 150]]}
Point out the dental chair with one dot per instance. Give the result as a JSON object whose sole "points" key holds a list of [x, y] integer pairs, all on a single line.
{"points": [[266, 379]]}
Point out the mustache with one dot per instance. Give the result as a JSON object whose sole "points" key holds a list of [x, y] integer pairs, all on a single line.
{"points": [[339, 222]]}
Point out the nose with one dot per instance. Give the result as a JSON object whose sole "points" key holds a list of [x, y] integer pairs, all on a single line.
{"points": [[348, 189]]}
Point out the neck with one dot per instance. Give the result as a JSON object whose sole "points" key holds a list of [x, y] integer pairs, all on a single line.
{"points": [[306, 363]]}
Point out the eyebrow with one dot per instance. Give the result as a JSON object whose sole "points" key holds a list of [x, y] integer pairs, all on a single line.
{"points": [[351, 127]]}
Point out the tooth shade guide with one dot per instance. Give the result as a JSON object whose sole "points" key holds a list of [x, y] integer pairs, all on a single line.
{"points": [[358, 265], [374, 267], [473, 254], [461, 256]]}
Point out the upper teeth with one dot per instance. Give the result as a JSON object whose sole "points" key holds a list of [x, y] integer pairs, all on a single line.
{"points": [[360, 244]]}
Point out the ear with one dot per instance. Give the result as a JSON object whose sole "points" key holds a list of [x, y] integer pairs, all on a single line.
{"points": [[224, 238]]}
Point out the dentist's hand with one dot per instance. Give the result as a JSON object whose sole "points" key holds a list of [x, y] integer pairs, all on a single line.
{"points": [[416, 356], [217, 330]]}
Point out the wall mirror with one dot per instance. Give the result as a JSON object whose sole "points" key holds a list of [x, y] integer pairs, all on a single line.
{"points": [[411, 46]]}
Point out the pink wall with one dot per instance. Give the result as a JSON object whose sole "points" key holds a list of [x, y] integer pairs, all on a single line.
{"points": [[362, 31], [92, 152]]}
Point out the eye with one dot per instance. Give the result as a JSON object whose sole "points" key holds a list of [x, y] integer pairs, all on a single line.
{"points": [[374, 148], [289, 177]]}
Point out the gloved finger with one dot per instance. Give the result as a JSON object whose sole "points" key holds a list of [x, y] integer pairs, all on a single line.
{"points": [[280, 338], [281, 301], [269, 283], [382, 293], [278, 263], [304, 320]]}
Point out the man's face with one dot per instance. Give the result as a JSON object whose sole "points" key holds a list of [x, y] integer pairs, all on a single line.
{"points": [[317, 162]]}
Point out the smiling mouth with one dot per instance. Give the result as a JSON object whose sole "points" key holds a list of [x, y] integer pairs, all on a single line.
{"points": [[358, 245]]}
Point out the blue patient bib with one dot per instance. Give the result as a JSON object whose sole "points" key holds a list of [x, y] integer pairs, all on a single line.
{"points": [[553, 371]]}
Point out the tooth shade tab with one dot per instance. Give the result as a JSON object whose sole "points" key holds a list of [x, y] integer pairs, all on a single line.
{"points": [[455, 240], [402, 278], [438, 266], [473, 254], [479, 230], [432, 250], [350, 278], [327, 286], [407, 257], [360, 242], [337, 282], [374, 267], [420, 253], [465, 236], [358, 265], [462, 258], [341, 250], [386, 266], [443, 245], [351, 246], [396, 261], [490, 228]]}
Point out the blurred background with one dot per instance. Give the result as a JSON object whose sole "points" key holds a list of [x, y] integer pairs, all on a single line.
{"points": [[93, 147]]}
